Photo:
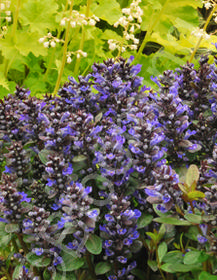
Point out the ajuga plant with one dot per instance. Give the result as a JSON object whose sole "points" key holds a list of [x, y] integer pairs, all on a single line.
{"points": [[110, 179]]}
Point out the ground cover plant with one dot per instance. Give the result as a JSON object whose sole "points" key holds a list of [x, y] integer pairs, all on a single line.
{"points": [[106, 177]]}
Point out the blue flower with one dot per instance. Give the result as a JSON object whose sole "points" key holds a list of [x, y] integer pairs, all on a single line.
{"points": [[122, 259], [38, 251]]}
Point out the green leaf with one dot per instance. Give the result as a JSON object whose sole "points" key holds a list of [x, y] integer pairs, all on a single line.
{"points": [[192, 175], [196, 219], [70, 263], [9, 228], [194, 257], [38, 261], [94, 244], [172, 221], [173, 257], [102, 268], [161, 250], [64, 276], [153, 265], [40, 15], [144, 220], [17, 271], [206, 276]]}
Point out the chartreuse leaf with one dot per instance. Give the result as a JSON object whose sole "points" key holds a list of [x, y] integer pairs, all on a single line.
{"points": [[38, 261], [70, 263], [40, 15], [3, 81], [195, 195], [102, 268], [192, 175], [161, 250], [109, 11], [94, 244], [172, 221]]}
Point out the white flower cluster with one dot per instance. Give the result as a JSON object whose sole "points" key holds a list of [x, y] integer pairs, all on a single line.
{"points": [[208, 4], [79, 19], [78, 54], [50, 41], [131, 20], [197, 32], [4, 8]]}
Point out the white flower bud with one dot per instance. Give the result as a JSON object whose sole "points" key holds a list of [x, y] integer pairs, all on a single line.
{"points": [[41, 40], [53, 44], [7, 3], [8, 19], [69, 60], [130, 18], [133, 47], [46, 44], [84, 54], [126, 11], [8, 13], [72, 23], [208, 5], [2, 6], [136, 41], [92, 22], [132, 29], [63, 22], [84, 22], [215, 19], [78, 55]]}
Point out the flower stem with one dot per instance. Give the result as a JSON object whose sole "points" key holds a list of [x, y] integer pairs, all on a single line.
{"points": [[150, 29], [204, 30], [81, 46], [64, 53], [90, 266], [52, 56]]}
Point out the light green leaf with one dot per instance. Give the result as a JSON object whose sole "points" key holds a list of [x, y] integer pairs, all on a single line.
{"points": [[162, 250], [172, 221], [197, 219]]}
